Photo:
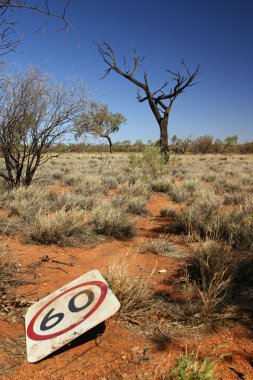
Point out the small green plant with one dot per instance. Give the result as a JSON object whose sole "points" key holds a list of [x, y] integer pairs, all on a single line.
{"points": [[192, 367]]}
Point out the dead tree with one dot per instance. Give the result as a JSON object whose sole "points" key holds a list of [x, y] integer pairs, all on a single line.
{"points": [[160, 102]]}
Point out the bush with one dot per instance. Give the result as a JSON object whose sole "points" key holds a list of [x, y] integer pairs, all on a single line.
{"points": [[27, 201], [200, 219], [63, 228], [236, 227], [152, 160], [162, 185], [113, 222]]}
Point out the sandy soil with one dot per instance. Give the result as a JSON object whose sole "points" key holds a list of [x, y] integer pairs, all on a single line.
{"points": [[112, 350]]}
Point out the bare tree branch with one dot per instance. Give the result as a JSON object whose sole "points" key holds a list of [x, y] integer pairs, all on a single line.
{"points": [[8, 39]]}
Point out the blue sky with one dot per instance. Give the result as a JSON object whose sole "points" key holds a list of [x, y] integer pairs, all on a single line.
{"points": [[217, 34]]}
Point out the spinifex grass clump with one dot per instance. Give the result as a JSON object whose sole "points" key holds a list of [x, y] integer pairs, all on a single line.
{"points": [[200, 219], [160, 246], [168, 212], [63, 228], [236, 226], [113, 222], [210, 272], [162, 185], [27, 201]]}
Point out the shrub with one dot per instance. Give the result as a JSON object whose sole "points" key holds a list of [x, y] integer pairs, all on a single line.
{"points": [[63, 228], [236, 227], [200, 218], [162, 185], [27, 201], [168, 212], [112, 221], [152, 160]]}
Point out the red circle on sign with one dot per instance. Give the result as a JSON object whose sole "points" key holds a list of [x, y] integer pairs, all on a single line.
{"points": [[30, 329]]}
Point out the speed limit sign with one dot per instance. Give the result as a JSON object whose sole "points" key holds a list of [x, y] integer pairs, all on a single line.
{"points": [[67, 313]]}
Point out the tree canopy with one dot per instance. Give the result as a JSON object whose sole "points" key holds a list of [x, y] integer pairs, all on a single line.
{"points": [[99, 121]]}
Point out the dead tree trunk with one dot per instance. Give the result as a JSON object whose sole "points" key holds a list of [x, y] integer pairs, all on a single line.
{"points": [[164, 138]]}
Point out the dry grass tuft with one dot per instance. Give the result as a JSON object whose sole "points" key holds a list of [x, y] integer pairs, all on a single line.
{"points": [[209, 276], [160, 246], [112, 222], [138, 302], [63, 228]]}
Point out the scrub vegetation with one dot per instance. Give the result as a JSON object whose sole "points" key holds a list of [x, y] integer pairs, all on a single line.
{"points": [[206, 228]]}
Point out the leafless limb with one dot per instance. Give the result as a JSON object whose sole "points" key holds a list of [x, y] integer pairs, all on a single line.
{"points": [[8, 38]]}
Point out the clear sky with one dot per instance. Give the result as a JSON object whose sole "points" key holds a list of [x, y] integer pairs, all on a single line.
{"points": [[217, 34]]}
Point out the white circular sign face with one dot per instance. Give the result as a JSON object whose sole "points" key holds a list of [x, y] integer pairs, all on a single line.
{"points": [[67, 313], [67, 310]]}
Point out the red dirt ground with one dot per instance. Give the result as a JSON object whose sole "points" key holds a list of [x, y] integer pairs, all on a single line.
{"points": [[113, 350]]}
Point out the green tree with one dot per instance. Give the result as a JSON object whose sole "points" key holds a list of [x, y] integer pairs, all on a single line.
{"points": [[100, 122], [231, 140]]}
